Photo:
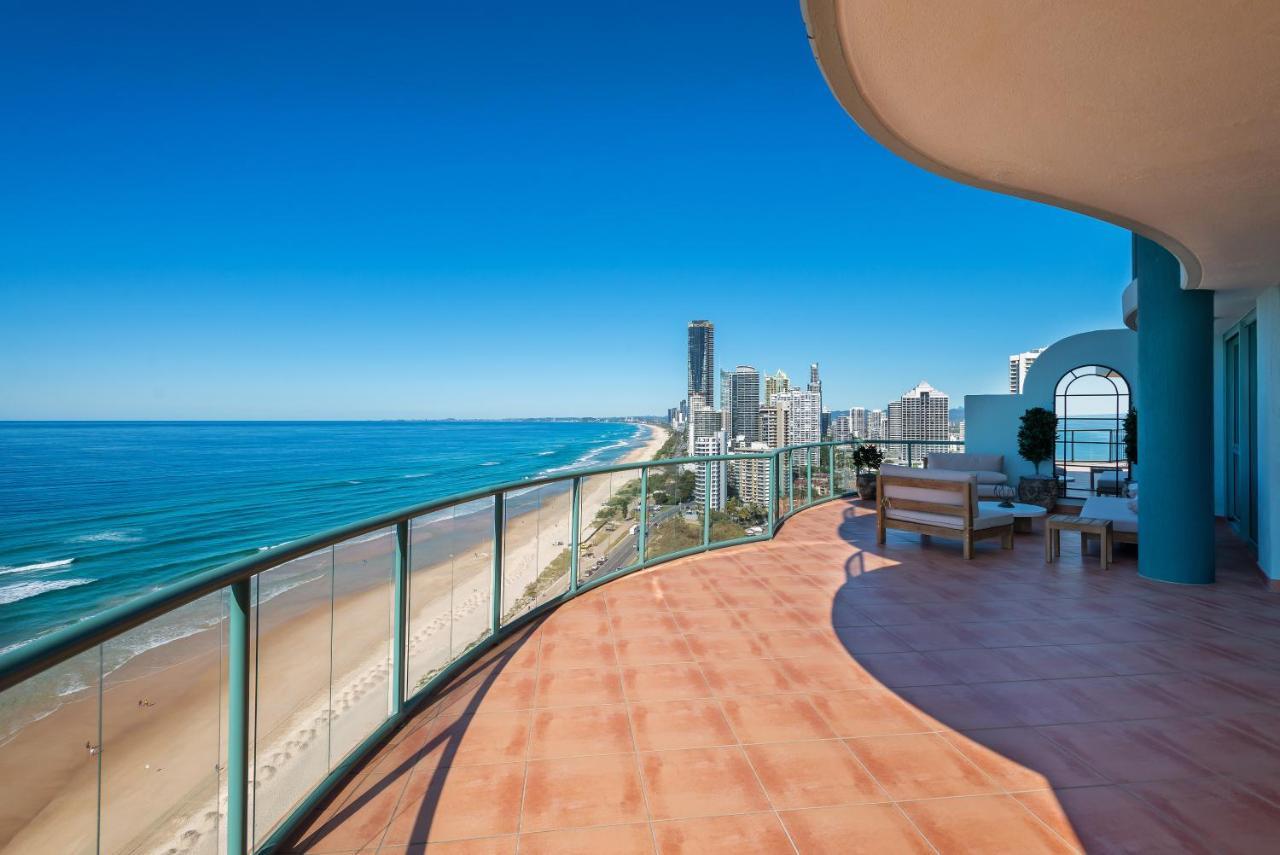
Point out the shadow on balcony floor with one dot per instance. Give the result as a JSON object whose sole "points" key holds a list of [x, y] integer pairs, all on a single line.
{"points": [[818, 693]]}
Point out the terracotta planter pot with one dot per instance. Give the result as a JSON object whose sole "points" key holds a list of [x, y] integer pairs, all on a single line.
{"points": [[867, 485]]}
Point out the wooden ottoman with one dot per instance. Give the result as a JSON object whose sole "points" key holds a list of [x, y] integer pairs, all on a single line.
{"points": [[1057, 523]]}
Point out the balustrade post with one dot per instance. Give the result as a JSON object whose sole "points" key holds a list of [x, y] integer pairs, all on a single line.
{"points": [[831, 471], [498, 520], [238, 718], [575, 526], [644, 513], [400, 621]]}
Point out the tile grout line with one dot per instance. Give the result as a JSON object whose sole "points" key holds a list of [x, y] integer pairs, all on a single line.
{"points": [[639, 767], [528, 744], [742, 751]]}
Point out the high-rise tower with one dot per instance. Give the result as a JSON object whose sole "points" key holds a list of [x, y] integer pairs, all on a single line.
{"points": [[740, 397], [702, 362], [775, 383], [1018, 365], [815, 383], [921, 414]]}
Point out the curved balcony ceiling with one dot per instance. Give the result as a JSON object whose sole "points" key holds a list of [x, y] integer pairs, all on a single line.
{"points": [[1161, 117]]}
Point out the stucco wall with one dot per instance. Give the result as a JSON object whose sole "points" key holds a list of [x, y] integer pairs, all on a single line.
{"points": [[991, 421]]}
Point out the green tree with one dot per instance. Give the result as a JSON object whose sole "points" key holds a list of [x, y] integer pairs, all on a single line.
{"points": [[1131, 436], [1037, 436]]}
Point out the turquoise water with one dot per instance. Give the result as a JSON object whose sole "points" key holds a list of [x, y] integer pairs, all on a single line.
{"points": [[1093, 438], [92, 514]]}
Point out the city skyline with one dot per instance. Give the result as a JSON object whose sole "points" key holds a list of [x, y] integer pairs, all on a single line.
{"points": [[756, 412]]}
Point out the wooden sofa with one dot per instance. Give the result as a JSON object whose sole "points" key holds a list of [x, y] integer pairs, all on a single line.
{"points": [[936, 502]]}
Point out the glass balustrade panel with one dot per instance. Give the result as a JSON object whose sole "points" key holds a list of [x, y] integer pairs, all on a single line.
{"points": [[843, 476], [738, 510], [293, 622], [599, 521], [50, 748], [672, 523], [535, 547], [472, 583], [624, 547], [450, 586], [821, 472], [363, 589], [163, 732]]}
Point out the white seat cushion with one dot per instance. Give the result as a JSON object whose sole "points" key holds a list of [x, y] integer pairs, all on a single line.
{"points": [[987, 519], [1114, 509], [988, 477]]}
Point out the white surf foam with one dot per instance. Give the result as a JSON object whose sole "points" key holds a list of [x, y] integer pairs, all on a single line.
{"points": [[107, 537], [274, 545], [43, 565], [27, 590]]}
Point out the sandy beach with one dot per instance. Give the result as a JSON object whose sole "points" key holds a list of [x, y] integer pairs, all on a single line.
{"points": [[322, 659]]}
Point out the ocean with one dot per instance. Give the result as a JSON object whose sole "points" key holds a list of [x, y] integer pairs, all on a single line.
{"points": [[93, 514], [1096, 439]]}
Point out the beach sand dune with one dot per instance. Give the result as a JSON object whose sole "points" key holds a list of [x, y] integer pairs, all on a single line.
{"points": [[322, 664]]}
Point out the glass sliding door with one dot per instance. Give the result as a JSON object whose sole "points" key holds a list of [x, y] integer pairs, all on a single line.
{"points": [[1240, 400]]}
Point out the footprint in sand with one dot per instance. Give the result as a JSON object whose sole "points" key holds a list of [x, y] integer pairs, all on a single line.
{"points": [[268, 772]]}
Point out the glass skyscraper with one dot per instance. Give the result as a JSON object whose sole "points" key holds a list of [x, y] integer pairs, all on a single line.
{"points": [[702, 362]]}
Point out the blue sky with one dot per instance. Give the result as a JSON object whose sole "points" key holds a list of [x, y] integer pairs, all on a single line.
{"points": [[483, 209]]}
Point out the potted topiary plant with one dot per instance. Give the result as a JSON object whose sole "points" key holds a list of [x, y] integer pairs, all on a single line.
{"points": [[1037, 437], [866, 462]]}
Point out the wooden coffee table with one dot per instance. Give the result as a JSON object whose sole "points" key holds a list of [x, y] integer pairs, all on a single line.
{"points": [[1087, 526], [1021, 512]]}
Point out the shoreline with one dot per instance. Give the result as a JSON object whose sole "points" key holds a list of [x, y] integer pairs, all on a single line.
{"points": [[167, 754]]}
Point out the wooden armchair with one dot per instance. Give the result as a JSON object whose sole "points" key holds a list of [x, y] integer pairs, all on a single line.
{"points": [[936, 502]]}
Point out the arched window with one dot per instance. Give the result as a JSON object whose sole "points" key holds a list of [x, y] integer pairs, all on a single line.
{"points": [[1091, 403]]}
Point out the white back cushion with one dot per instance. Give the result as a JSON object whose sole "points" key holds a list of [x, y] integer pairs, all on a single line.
{"points": [[966, 461], [931, 494]]}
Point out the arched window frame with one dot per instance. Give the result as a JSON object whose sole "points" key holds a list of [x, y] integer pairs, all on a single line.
{"points": [[1067, 446]]}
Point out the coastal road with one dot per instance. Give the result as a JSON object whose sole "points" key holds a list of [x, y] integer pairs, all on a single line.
{"points": [[624, 554]]}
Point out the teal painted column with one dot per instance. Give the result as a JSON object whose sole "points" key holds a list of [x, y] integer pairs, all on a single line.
{"points": [[1175, 421]]}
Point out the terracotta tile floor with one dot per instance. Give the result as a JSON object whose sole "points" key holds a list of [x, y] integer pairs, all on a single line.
{"points": [[818, 693]]}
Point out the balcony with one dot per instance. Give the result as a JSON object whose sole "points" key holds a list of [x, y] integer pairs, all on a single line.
{"points": [[524, 665], [817, 693]]}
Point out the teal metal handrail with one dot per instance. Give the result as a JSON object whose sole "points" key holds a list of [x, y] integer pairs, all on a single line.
{"points": [[49, 651]]}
